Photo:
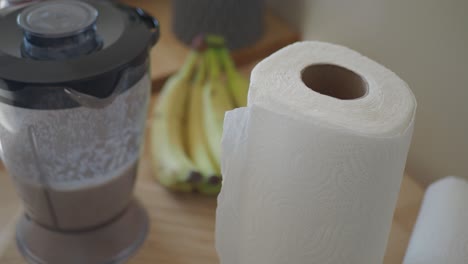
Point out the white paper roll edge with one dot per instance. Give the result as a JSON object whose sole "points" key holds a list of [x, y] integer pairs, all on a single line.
{"points": [[440, 235], [309, 178], [387, 109]]}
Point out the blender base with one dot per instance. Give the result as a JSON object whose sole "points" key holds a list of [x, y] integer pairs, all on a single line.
{"points": [[112, 243]]}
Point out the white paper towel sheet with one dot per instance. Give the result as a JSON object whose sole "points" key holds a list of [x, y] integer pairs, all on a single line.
{"points": [[440, 235], [310, 178]]}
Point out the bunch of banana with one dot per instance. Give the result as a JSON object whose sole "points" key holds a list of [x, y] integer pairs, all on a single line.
{"points": [[187, 123]]}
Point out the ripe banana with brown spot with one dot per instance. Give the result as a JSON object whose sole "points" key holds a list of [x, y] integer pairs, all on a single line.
{"points": [[172, 165]]}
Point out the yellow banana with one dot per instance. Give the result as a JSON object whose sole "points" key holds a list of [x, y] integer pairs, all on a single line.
{"points": [[173, 167], [216, 102], [238, 85], [197, 141], [188, 118]]}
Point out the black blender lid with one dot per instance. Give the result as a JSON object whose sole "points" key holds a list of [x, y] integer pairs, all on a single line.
{"points": [[126, 33], [57, 30], [55, 19]]}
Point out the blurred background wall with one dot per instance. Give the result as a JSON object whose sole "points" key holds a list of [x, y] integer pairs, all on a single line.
{"points": [[426, 43]]}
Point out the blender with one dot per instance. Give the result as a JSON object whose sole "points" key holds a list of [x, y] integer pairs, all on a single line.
{"points": [[74, 93]]}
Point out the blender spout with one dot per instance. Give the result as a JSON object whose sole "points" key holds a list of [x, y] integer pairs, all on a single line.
{"points": [[91, 101]]}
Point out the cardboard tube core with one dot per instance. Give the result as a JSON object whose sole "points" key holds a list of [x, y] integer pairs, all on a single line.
{"points": [[334, 81]]}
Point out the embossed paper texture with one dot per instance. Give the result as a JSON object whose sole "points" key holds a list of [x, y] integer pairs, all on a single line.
{"points": [[441, 234], [312, 183]]}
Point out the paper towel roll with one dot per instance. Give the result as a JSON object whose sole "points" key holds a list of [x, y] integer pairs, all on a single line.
{"points": [[309, 177], [440, 235]]}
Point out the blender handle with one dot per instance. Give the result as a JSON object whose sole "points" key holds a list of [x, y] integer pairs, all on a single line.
{"points": [[152, 22], [96, 102]]}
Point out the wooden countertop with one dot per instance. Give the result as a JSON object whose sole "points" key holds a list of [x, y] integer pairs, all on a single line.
{"points": [[169, 53], [182, 225]]}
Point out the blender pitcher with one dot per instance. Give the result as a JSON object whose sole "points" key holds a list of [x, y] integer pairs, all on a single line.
{"points": [[74, 92]]}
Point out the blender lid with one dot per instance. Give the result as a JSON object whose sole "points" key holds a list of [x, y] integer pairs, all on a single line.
{"points": [[125, 35], [57, 30], [56, 19]]}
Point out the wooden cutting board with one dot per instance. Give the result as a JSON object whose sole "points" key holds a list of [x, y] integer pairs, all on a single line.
{"points": [[182, 225]]}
